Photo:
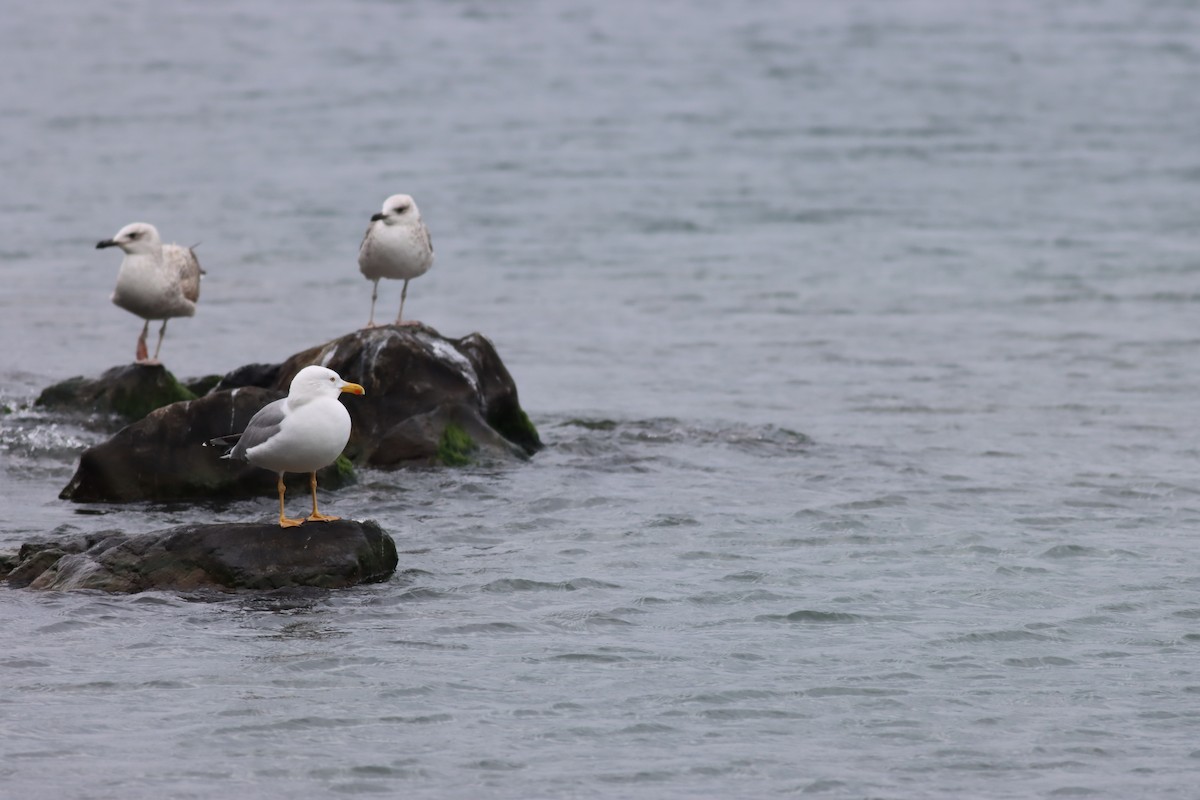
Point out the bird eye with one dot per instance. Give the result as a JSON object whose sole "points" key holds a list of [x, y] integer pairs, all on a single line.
{"points": [[134, 234]]}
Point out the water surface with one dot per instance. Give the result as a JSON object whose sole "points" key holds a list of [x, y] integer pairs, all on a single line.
{"points": [[862, 336]]}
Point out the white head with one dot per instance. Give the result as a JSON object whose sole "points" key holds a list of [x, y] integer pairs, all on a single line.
{"points": [[313, 382], [398, 209], [135, 238]]}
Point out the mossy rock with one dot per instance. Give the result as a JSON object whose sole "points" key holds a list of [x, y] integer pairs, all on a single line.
{"points": [[514, 424], [456, 447], [129, 392], [340, 473]]}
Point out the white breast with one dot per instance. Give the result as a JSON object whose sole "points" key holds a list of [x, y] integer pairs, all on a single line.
{"points": [[399, 252], [311, 437]]}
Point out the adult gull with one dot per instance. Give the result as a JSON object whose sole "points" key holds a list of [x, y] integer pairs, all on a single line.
{"points": [[303, 432]]}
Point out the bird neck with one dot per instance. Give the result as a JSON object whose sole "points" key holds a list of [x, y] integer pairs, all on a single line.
{"points": [[149, 253], [298, 401]]}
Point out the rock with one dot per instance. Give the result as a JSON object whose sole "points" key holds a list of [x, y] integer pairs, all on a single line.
{"points": [[129, 392], [410, 371], [223, 557], [264, 376], [428, 400], [165, 457], [26, 571]]}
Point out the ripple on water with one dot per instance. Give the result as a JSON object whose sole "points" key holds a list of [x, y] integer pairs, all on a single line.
{"points": [[478, 628], [1008, 635], [812, 616], [506, 585]]}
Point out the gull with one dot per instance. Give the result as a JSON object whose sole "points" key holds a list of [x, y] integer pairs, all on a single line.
{"points": [[397, 245], [156, 281], [303, 432]]}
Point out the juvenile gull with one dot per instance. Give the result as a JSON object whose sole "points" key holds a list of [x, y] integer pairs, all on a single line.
{"points": [[397, 245], [156, 281], [303, 432]]}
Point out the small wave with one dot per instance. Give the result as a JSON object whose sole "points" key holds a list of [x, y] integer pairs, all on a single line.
{"points": [[809, 615], [419, 719], [505, 585], [594, 658], [1039, 661], [735, 598], [853, 691], [36, 439], [666, 225], [585, 620], [1021, 570], [752, 713], [419, 645], [495, 765], [886, 501], [648, 727], [736, 696], [1071, 551], [998, 636], [484, 627], [667, 430]]}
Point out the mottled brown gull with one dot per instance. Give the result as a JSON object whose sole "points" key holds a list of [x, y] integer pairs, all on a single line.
{"points": [[156, 281]]}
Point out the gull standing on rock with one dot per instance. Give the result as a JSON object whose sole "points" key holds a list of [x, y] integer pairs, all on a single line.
{"points": [[303, 432], [156, 281], [397, 245]]}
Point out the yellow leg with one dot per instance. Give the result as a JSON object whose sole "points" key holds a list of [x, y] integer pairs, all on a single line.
{"points": [[317, 515], [285, 522]]}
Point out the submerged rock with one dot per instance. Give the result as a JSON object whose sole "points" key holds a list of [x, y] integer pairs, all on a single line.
{"points": [[428, 400], [130, 392], [224, 557]]}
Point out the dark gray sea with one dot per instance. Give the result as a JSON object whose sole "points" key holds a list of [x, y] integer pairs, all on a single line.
{"points": [[863, 336]]}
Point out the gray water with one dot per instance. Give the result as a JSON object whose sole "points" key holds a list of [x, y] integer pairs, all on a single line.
{"points": [[862, 336]]}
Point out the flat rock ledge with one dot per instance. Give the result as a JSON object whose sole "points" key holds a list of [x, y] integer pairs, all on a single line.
{"points": [[221, 557]]}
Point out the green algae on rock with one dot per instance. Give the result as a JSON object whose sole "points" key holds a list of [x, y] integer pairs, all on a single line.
{"points": [[456, 446], [129, 392]]}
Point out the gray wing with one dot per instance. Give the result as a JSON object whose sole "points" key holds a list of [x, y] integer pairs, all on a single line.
{"points": [[185, 264], [262, 426]]}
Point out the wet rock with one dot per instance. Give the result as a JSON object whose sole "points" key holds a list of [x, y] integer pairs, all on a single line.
{"points": [[129, 392], [264, 376], [428, 400], [25, 571], [223, 557], [411, 371], [165, 456]]}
